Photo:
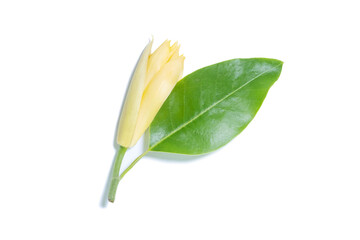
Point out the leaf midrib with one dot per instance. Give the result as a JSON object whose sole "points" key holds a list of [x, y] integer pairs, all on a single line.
{"points": [[210, 107]]}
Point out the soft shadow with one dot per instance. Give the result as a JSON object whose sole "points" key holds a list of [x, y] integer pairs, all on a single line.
{"points": [[174, 157], [104, 196]]}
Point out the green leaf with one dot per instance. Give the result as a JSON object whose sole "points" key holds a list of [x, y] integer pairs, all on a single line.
{"points": [[211, 106]]}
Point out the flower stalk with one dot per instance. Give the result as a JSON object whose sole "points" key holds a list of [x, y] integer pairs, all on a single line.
{"points": [[115, 173]]}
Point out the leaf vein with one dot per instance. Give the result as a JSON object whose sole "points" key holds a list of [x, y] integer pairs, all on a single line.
{"points": [[210, 107]]}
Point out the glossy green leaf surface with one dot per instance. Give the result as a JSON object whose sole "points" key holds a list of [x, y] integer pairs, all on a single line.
{"points": [[211, 106]]}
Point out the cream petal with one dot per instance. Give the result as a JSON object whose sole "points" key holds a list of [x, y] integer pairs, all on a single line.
{"points": [[174, 50], [157, 59], [156, 93], [130, 110]]}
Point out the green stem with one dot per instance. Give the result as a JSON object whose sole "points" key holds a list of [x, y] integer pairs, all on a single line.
{"points": [[133, 164], [115, 174]]}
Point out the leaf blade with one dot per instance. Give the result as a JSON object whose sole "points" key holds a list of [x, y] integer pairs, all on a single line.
{"points": [[211, 106]]}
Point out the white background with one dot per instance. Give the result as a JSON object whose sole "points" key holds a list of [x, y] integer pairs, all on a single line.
{"points": [[292, 174]]}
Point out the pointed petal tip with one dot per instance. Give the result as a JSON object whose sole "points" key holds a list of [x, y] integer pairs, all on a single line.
{"points": [[151, 38], [175, 44]]}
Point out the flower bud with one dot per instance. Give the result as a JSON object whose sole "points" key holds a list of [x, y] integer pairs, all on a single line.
{"points": [[154, 78]]}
